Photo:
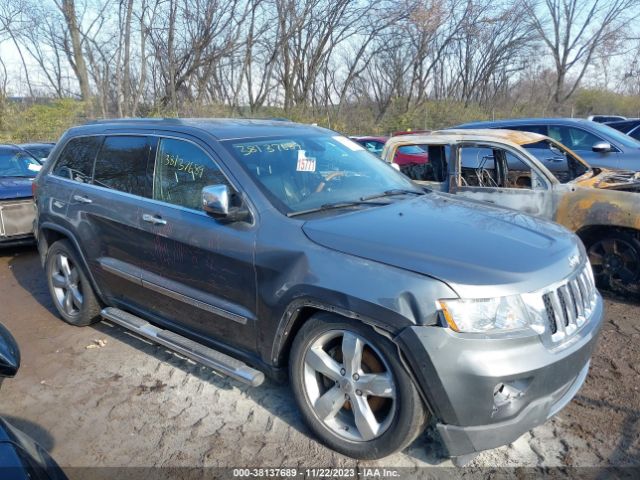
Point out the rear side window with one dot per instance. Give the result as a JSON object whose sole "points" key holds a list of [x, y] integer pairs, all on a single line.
{"points": [[76, 160], [182, 171], [122, 165]]}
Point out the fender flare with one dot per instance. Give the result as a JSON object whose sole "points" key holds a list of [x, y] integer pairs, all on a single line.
{"points": [[291, 314], [76, 245]]}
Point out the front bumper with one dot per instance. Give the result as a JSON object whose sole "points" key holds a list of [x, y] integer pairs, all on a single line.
{"points": [[459, 375], [16, 221]]}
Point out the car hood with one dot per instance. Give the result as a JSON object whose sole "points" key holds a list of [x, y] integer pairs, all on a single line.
{"points": [[625, 180], [478, 250], [15, 187]]}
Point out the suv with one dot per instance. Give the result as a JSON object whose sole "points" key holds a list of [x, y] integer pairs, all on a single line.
{"points": [[599, 144], [262, 246]]}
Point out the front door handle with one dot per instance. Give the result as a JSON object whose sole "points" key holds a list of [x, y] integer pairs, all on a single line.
{"points": [[155, 219], [81, 199]]}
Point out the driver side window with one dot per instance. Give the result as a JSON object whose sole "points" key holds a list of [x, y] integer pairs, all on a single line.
{"points": [[573, 138], [477, 167], [182, 170], [490, 167]]}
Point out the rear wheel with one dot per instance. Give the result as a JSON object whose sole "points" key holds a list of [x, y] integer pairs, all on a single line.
{"points": [[70, 289], [352, 389], [615, 259]]}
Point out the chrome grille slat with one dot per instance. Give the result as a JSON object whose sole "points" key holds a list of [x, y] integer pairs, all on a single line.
{"points": [[569, 304], [575, 286], [582, 282], [559, 314]]}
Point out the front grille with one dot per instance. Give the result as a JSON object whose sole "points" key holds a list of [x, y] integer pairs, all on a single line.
{"points": [[569, 305], [16, 217]]}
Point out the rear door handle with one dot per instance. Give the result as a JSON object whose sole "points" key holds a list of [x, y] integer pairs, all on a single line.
{"points": [[81, 199], [155, 219]]}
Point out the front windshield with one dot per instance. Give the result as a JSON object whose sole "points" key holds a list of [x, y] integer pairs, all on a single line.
{"points": [[14, 163], [39, 152], [304, 172], [558, 160], [617, 136]]}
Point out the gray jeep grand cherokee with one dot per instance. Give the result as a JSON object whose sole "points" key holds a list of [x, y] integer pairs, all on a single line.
{"points": [[261, 246]]}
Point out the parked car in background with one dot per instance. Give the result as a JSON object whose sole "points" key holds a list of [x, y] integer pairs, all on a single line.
{"points": [[371, 144], [511, 169], [255, 246], [39, 150], [21, 458], [605, 118], [628, 127], [406, 157], [598, 144], [17, 209]]}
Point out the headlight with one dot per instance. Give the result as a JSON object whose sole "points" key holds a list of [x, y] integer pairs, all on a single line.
{"points": [[495, 314]]}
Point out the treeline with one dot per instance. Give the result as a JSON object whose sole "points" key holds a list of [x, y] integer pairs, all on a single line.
{"points": [[350, 64]]}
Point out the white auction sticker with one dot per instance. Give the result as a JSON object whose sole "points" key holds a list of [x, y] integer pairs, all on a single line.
{"points": [[34, 168], [350, 144], [305, 164]]}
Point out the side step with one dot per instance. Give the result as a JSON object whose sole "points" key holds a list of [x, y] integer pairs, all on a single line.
{"points": [[197, 352]]}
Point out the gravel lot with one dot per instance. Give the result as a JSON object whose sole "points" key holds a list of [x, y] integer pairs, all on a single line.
{"points": [[131, 403]]}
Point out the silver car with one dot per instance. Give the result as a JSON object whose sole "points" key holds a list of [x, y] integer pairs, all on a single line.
{"points": [[598, 144]]}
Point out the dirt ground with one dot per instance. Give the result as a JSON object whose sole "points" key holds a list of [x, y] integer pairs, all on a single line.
{"points": [[130, 403]]}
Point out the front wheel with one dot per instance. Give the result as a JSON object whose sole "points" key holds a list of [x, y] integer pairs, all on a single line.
{"points": [[615, 259], [70, 289], [352, 389]]}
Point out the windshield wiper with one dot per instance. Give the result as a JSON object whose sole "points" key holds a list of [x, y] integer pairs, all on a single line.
{"points": [[332, 206], [391, 193]]}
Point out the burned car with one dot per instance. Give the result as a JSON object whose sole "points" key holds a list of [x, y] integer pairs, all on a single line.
{"points": [[535, 174], [272, 247], [17, 210]]}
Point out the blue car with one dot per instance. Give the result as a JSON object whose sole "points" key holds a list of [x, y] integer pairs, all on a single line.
{"points": [[598, 144], [17, 209]]}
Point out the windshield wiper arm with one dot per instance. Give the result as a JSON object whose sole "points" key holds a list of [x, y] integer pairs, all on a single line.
{"points": [[332, 206], [390, 193]]}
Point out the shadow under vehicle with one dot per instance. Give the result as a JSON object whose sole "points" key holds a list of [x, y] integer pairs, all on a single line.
{"points": [[21, 458], [537, 175]]}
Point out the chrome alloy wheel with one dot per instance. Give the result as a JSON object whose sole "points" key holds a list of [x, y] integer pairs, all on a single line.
{"points": [[65, 279], [349, 385]]}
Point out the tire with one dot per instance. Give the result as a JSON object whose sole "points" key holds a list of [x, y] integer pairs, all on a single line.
{"points": [[331, 398], [615, 259], [70, 290]]}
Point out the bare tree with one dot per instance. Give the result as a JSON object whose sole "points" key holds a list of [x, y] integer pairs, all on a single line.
{"points": [[74, 50], [572, 31]]}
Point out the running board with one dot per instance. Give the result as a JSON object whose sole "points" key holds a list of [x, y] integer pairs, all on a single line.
{"points": [[197, 352]]}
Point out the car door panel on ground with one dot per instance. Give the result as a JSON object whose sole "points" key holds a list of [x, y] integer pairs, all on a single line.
{"points": [[197, 271]]}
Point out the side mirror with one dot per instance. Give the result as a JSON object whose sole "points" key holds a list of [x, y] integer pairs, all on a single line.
{"points": [[601, 147], [216, 201], [9, 354]]}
